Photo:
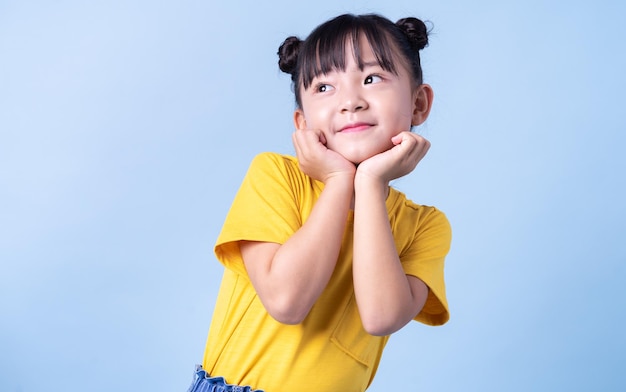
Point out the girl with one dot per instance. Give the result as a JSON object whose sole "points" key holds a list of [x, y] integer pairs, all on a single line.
{"points": [[323, 259]]}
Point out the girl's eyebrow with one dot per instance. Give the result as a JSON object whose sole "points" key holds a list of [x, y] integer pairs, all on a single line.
{"points": [[370, 64]]}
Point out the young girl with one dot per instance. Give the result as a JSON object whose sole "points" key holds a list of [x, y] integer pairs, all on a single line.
{"points": [[323, 259]]}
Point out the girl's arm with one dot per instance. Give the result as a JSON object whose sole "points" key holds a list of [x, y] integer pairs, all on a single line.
{"points": [[387, 298], [290, 277]]}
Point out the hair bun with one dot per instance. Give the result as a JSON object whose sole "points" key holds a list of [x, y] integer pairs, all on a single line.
{"points": [[416, 32], [288, 54]]}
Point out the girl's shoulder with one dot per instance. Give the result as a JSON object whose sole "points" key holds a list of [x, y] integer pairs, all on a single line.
{"points": [[282, 168], [398, 200], [408, 212], [274, 159]]}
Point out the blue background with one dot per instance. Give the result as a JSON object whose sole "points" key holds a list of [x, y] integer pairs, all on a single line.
{"points": [[127, 126]]}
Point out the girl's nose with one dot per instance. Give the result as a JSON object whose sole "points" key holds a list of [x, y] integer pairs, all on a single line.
{"points": [[352, 101]]}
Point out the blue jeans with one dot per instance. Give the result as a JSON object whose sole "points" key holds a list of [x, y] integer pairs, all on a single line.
{"points": [[205, 383]]}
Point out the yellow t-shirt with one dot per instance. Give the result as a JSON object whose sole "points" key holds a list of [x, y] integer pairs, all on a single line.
{"points": [[329, 350]]}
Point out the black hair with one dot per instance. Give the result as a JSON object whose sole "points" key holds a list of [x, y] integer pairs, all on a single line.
{"points": [[324, 49]]}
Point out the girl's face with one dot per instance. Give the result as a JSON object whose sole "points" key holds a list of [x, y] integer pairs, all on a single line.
{"points": [[359, 111]]}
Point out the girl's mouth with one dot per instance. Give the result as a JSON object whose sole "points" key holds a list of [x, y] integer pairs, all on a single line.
{"points": [[356, 127]]}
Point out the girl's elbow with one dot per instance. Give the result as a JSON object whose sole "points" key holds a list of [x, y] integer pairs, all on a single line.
{"points": [[287, 312], [289, 318], [383, 323], [379, 327]]}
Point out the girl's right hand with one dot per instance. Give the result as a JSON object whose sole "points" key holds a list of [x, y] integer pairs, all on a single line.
{"points": [[316, 160]]}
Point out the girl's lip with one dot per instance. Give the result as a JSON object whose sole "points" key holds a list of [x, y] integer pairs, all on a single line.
{"points": [[356, 127]]}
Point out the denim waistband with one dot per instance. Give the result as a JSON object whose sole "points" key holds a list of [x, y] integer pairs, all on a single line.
{"points": [[203, 382]]}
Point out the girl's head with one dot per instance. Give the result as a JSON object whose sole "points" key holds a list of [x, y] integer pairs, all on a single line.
{"points": [[358, 80], [394, 45]]}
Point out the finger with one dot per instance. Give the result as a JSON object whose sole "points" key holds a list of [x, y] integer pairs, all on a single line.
{"points": [[414, 147], [322, 138], [420, 143], [424, 144], [296, 143], [309, 144], [303, 140], [405, 142], [397, 139], [422, 149], [316, 136]]}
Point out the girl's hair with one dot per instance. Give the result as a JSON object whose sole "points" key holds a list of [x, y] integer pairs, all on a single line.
{"points": [[324, 49]]}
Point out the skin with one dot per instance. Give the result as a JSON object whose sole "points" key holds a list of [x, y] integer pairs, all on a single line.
{"points": [[352, 134]]}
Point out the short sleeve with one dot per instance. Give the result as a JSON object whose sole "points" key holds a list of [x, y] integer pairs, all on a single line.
{"points": [[424, 258], [264, 209]]}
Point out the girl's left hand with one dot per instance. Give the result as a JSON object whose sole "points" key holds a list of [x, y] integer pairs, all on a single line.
{"points": [[408, 150]]}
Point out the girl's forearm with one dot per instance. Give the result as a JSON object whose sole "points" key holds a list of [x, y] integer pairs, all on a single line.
{"points": [[300, 269], [383, 292]]}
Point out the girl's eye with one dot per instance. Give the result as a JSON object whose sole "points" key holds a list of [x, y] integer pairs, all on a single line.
{"points": [[372, 79], [322, 88]]}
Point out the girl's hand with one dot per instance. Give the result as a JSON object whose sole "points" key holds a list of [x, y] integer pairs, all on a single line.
{"points": [[408, 150], [316, 160]]}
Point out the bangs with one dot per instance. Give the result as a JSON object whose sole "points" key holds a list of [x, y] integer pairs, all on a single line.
{"points": [[326, 47]]}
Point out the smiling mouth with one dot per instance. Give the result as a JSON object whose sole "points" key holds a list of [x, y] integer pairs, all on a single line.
{"points": [[355, 128]]}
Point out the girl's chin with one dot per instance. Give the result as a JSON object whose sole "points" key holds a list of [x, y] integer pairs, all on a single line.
{"points": [[358, 157]]}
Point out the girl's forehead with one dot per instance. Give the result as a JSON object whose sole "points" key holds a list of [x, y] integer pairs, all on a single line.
{"points": [[354, 45], [364, 55], [359, 48], [334, 53]]}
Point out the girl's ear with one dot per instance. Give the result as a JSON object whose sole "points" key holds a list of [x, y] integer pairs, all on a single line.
{"points": [[298, 119], [423, 101]]}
